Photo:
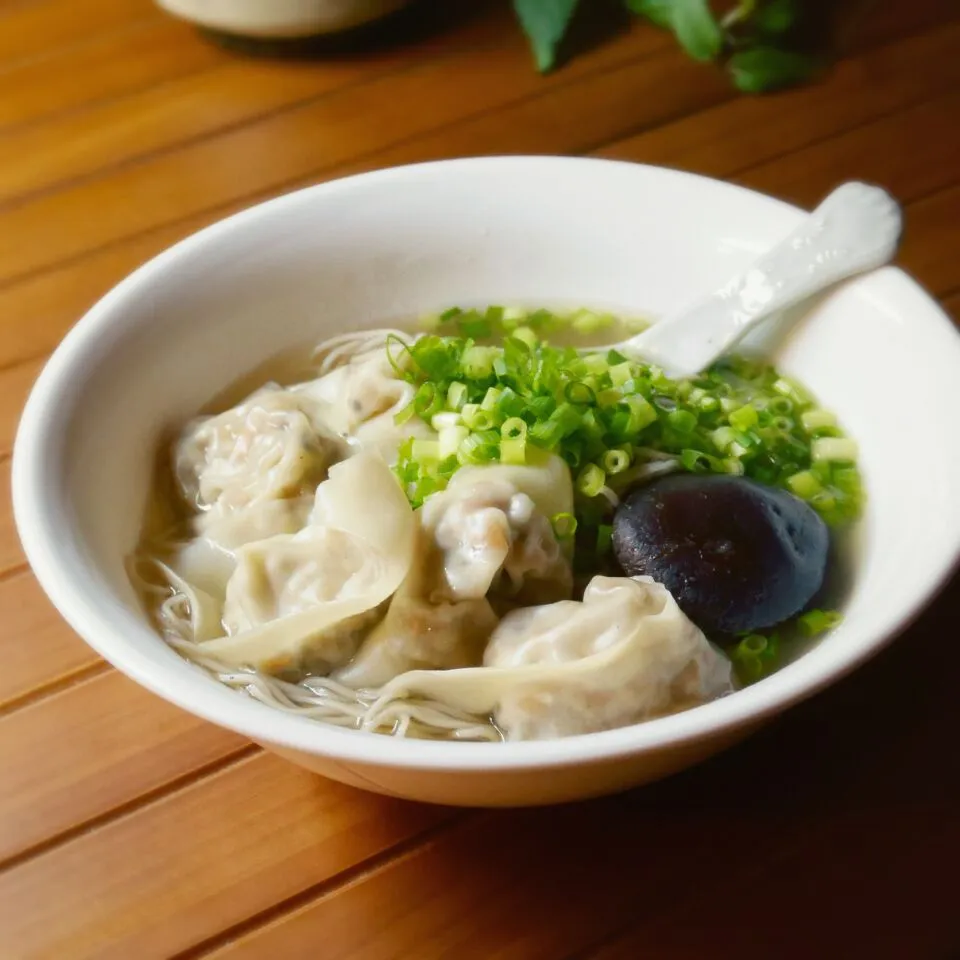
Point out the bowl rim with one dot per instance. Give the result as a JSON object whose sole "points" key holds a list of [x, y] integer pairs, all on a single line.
{"points": [[183, 684]]}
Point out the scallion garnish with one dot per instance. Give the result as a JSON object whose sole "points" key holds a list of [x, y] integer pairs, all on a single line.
{"points": [[491, 402]]}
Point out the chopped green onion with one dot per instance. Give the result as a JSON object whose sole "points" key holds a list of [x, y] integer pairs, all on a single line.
{"points": [[450, 439], [593, 408], [512, 317], [513, 429], [749, 668], [456, 395], [513, 450], [564, 525], [591, 480], [696, 461], [402, 416], [620, 374], [525, 335], [490, 399], [595, 364], [475, 417], [752, 645], [723, 438], [683, 421], [834, 448], [817, 420], [817, 622], [744, 418], [642, 414], [474, 449], [425, 450], [579, 393], [615, 461], [585, 321], [804, 484], [446, 419]]}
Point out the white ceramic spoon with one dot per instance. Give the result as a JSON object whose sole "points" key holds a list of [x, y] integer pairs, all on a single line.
{"points": [[856, 229]]}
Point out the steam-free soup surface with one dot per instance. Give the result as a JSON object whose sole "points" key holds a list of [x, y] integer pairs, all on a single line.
{"points": [[411, 532]]}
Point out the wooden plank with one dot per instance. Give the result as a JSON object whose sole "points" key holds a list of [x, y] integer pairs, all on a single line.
{"points": [[201, 104], [11, 556], [745, 132], [841, 770], [209, 856], [266, 154], [42, 29], [57, 299], [37, 648], [35, 313], [93, 748], [570, 119], [146, 53], [15, 384], [873, 152], [932, 241], [898, 900]]}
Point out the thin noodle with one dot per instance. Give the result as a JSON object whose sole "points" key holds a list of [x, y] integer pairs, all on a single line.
{"points": [[313, 697]]}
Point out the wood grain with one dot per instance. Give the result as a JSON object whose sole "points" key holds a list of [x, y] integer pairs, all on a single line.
{"points": [[827, 787], [264, 154], [129, 829], [11, 556], [143, 55], [91, 749], [37, 648], [209, 856], [56, 299], [745, 132], [41, 29], [192, 107]]}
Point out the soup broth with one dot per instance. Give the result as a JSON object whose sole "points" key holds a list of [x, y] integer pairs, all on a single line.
{"points": [[427, 533]]}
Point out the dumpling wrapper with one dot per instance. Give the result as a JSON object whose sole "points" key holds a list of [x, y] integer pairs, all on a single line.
{"points": [[625, 654], [209, 558], [359, 398], [271, 446], [492, 526], [486, 523], [289, 594], [420, 631]]}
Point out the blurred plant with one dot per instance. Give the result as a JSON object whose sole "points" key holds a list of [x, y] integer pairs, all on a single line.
{"points": [[755, 40]]}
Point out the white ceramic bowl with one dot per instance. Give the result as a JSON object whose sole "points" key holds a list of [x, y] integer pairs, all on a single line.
{"points": [[390, 245], [281, 18]]}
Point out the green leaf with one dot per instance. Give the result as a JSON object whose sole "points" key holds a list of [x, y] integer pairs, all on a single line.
{"points": [[768, 68], [776, 17], [545, 23], [656, 11], [696, 29]]}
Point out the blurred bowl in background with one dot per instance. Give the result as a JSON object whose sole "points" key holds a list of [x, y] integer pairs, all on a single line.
{"points": [[280, 18]]}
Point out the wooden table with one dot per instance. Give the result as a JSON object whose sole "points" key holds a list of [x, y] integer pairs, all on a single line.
{"points": [[131, 830]]}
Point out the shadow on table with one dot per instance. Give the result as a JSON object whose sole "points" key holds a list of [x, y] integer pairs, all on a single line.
{"points": [[862, 778], [409, 25]]}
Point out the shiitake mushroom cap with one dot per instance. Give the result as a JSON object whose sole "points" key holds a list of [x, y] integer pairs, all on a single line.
{"points": [[736, 555]]}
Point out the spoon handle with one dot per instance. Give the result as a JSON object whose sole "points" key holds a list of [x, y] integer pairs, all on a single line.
{"points": [[857, 228]]}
